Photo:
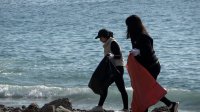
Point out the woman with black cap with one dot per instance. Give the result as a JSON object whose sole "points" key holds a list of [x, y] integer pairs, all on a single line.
{"points": [[142, 49], [112, 50]]}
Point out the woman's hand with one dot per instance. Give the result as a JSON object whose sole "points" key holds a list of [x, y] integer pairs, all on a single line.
{"points": [[110, 55], [135, 52]]}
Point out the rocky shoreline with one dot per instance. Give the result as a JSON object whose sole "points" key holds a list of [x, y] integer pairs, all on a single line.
{"points": [[59, 105]]}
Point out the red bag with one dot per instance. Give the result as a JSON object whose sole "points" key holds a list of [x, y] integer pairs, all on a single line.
{"points": [[146, 90]]}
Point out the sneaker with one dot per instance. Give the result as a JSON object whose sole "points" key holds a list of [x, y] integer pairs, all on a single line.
{"points": [[174, 107], [97, 109]]}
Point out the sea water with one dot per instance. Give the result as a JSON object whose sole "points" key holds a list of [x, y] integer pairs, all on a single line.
{"points": [[48, 50]]}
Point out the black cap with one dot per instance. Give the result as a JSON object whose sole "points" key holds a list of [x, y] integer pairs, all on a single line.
{"points": [[103, 33]]}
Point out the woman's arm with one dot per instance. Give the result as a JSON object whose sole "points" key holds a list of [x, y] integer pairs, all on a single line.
{"points": [[115, 49]]}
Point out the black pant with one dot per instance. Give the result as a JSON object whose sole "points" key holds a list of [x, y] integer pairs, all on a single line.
{"points": [[154, 71], [119, 81]]}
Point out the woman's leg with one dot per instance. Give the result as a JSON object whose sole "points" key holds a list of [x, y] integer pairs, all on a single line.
{"points": [[121, 86], [154, 71], [166, 101], [103, 97]]}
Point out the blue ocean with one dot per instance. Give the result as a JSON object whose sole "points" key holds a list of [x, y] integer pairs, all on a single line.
{"points": [[48, 50]]}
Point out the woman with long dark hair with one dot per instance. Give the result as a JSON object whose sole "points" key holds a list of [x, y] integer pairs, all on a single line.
{"points": [[143, 51]]}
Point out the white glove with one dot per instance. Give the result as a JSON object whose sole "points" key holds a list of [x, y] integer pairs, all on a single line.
{"points": [[135, 52], [110, 55]]}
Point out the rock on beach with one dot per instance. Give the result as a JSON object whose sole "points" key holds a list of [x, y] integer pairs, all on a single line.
{"points": [[59, 105]]}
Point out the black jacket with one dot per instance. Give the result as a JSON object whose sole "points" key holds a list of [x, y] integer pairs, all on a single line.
{"points": [[147, 55]]}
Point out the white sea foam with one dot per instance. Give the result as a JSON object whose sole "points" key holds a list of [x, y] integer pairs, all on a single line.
{"points": [[39, 91]]}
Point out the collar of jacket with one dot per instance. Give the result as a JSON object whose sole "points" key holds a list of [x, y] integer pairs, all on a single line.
{"points": [[108, 41]]}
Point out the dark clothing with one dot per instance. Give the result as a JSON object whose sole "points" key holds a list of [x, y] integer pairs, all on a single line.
{"points": [[100, 76], [104, 75], [117, 78], [147, 58], [119, 81], [154, 71], [147, 55], [116, 50]]}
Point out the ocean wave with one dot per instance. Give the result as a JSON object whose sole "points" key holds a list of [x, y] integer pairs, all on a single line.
{"points": [[188, 99], [43, 91], [38, 91]]}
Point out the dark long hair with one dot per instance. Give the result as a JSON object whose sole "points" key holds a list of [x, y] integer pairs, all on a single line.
{"points": [[135, 27]]}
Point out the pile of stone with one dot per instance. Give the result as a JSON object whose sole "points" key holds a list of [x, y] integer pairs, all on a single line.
{"points": [[59, 105]]}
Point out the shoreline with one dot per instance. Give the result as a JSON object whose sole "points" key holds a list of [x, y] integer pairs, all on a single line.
{"points": [[59, 105]]}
